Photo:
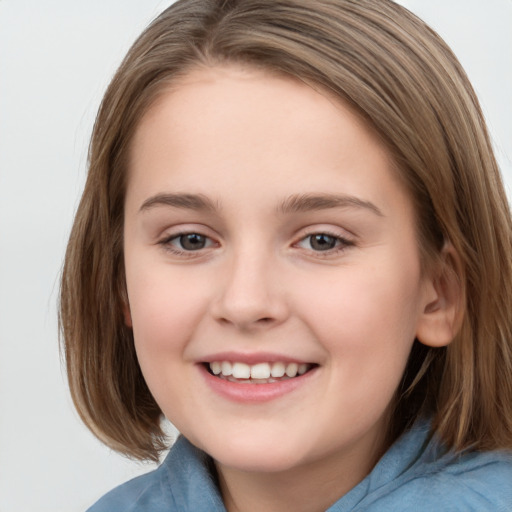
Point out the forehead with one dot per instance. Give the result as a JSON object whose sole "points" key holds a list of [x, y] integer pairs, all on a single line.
{"points": [[226, 125], [197, 103]]}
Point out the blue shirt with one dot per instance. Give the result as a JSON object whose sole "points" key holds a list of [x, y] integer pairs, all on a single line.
{"points": [[414, 475]]}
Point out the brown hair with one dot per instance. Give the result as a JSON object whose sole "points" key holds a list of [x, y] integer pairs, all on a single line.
{"points": [[406, 83]]}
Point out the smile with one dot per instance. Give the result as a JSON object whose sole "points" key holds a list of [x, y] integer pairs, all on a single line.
{"points": [[260, 373], [255, 378]]}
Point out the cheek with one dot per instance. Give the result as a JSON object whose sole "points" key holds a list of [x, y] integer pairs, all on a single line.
{"points": [[165, 308], [165, 312], [366, 319], [367, 327]]}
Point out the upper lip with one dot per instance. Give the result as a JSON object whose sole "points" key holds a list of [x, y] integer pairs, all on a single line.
{"points": [[252, 358]]}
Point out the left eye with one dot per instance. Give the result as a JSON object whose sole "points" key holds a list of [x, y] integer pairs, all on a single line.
{"points": [[321, 242]]}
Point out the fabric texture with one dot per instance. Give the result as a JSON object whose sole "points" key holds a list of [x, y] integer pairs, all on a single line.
{"points": [[414, 475]]}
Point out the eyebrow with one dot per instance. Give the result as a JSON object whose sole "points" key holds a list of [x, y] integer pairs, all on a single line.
{"points": [[186, 201], [310, 202], [293, 204]]}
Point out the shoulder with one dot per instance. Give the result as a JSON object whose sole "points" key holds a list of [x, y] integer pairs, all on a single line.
{"points": [[417, 473], [480, 481], [183, 483], [472, 482], [144, 493]]}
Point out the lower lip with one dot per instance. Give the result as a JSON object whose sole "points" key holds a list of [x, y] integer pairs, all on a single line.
{"points": [[254, 393]]}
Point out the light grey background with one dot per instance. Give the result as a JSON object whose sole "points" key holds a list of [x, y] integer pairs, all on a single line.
{"points": [[56, 58]]}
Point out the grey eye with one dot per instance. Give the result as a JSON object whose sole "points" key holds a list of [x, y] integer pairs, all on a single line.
{"points": [[322, 242], [192, 241]]}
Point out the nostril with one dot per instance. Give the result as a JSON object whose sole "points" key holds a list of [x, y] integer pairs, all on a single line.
{"points": [[260, 321]]}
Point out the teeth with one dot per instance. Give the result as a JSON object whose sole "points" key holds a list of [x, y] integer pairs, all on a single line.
{"points": [[226, 368], [278, 369], [260, 371], [241, 371], [292, 369], [216, 367], [303, 368]]}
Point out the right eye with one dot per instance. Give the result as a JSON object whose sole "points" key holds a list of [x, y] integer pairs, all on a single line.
{"points": [[187, 242]]}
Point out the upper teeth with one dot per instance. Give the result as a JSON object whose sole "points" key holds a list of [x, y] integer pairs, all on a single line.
{"points": [[257, 371]]}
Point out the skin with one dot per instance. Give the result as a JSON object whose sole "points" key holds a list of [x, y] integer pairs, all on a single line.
{"points": [[245, 141]]}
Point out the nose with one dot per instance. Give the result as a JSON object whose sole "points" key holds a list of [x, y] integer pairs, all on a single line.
{"points": [[250, 296]]}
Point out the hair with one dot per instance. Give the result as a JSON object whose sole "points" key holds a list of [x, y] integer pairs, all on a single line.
{"points": [[404, 81]]}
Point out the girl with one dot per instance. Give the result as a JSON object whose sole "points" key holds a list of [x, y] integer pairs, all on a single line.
{"points": [[294, 244]]}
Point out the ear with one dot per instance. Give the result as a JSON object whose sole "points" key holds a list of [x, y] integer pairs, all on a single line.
{"points": [[443, 305]]}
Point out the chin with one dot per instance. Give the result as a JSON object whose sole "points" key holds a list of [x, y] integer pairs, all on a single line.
{"points": [[256, 456], [258, 462]]}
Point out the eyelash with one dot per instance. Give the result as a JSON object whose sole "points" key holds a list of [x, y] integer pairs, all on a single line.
{"points": [[341, 244], [166, 243]]}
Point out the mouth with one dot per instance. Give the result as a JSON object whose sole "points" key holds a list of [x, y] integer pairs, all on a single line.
{"points": [[260, 373]]}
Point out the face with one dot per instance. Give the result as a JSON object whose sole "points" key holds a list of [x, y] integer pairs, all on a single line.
{"points": [[268, 239]]}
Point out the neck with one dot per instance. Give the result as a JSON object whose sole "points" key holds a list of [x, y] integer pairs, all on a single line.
{"points": [[312, 487]]}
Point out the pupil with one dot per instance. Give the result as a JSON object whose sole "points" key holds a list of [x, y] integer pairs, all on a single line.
{"points": [[192, 241], [323, 242]]}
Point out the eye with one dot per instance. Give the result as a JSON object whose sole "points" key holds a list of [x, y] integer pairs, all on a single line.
{"points": [[324, 242], [191, 241], [187, 242]]}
